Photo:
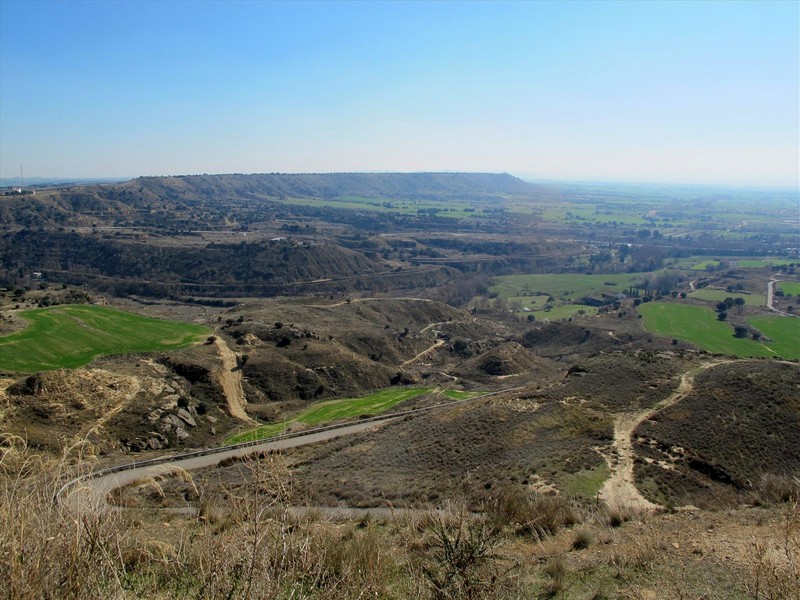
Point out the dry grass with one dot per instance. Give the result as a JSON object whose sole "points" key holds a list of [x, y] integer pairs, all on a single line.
{"points": [[530, 513], [247, 542]]}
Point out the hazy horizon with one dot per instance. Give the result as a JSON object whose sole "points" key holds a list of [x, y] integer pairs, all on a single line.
{"points": [[661, 92]]}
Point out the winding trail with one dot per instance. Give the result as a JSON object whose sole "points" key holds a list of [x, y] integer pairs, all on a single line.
{"points": [[770, 297], [231, 381], [423, 353], [620, 489]]}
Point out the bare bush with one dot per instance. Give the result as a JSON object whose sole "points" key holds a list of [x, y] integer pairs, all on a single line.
{"points": [[459, 559]]}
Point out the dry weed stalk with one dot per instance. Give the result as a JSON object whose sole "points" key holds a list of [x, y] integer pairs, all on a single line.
{"points": [[45, 549], [774, 574]]}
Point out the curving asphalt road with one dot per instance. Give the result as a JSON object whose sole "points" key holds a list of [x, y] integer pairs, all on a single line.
{"points": [[89, 492], [92, 494]]}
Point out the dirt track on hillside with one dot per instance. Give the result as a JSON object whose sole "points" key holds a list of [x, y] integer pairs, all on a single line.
{"points": [[231, 381], [619, 490]]}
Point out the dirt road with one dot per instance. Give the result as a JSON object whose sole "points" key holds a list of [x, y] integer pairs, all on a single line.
{"points": [[353, 300], [423, 353], [231, 381], [770, 298], [620, 489]]}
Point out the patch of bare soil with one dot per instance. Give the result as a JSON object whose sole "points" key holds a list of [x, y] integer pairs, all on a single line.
{"points": [[231, 381], [118, 404]]}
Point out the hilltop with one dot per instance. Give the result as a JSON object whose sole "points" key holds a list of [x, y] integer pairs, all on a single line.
{"points": [[117, 204]]}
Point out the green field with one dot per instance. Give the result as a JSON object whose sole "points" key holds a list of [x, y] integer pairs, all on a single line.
{"points": [[570, 286], [450, 209], [559, 313], [790, 287], [699, 326], [712, 295], [334, 410], [461, 394], [72, 335], [763, 262], [702, 266], [783, 331]]}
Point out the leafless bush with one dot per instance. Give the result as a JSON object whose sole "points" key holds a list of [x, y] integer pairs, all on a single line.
{"points": [[458, 559]]}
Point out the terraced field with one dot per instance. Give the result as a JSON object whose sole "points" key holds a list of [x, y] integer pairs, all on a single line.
{"points": [[70, 336]]}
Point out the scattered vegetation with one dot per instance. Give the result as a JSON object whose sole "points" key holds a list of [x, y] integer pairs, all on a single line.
{"points": [[740, 424]]}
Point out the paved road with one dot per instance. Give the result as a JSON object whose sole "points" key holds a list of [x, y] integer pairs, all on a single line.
{"points": [[91, 494]]}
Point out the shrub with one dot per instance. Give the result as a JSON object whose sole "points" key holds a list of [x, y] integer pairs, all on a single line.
{"points": [[529, 513], [582, 539], [459, 561]]}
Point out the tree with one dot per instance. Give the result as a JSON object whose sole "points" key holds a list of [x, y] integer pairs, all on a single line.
{"points": [[722, 315], [739, 302], [740, 332]]}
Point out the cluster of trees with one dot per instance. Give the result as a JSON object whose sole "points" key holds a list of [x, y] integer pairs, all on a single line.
{"points": [[723, 307]]}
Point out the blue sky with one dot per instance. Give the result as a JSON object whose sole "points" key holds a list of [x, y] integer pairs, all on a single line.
{"points": [[682, 92]]}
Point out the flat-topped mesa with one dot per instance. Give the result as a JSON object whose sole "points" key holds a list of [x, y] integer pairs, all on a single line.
{"points": [[330, 185]]}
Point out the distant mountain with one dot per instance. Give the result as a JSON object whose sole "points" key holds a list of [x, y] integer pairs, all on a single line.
{"points": [[194, 201], [331, 185]]}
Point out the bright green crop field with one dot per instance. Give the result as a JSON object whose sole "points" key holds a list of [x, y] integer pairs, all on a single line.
{"points": [[702, 266], [72, 335], [333, 410], [560, 313], [790, 287], [783, 331], [699, 326]]}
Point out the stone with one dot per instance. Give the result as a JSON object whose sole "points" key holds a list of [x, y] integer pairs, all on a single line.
{"points": [[184, 415], [181, 434], [174, 420]]}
